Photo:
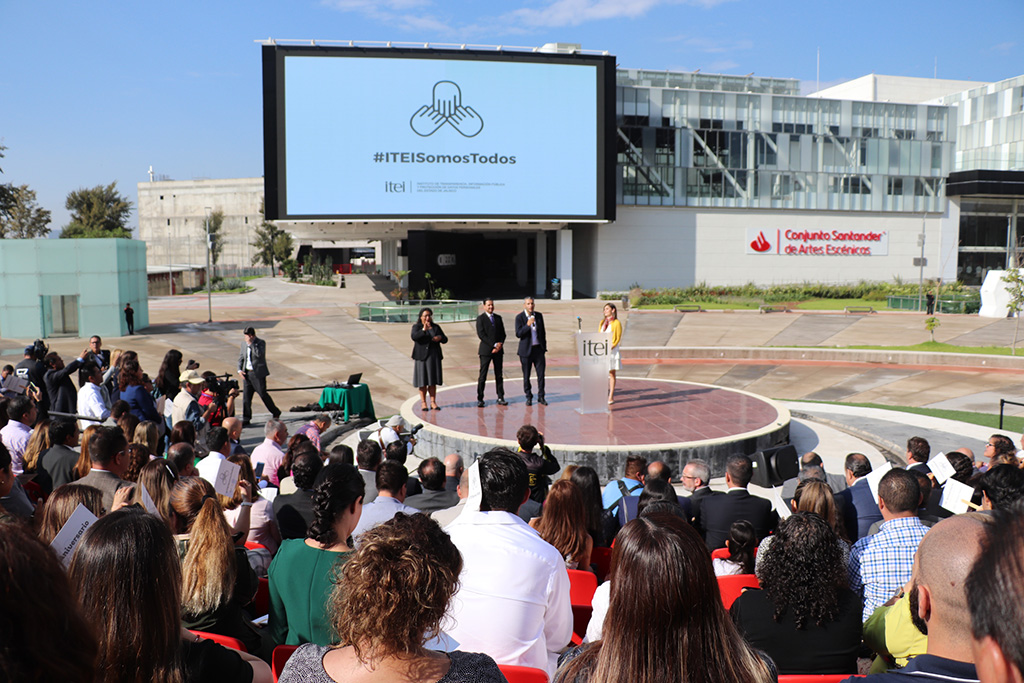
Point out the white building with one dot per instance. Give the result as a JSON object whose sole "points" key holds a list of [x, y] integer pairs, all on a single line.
{"points": [[724, 180]]}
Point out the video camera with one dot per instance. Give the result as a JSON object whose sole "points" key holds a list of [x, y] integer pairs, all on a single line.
{"points": [[39, 350], [221, 385]]}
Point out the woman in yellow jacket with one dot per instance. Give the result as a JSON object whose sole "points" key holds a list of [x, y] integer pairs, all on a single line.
{"points": [[611, 324]]}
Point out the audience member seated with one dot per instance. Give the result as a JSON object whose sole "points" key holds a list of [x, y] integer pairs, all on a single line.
{"points": [[217, 579], [434, 496], [600, 524], [446, 517], [880, 564], [107, 453], [995, 594], [157, 480], [7, 482], [84, 463], [22, 414], [657, 486], [270, 454], [630, 484], [43, 633], [812, 467], [1001, 487], [404, 573], [804, 617], [34, 477], [453, 469], [391, 488], [741, 543], [398, 453], [563, 525], [314, 428], [138, 456], [62, 503], [513, 597], [301, 575], [939, 603], [341, 455], [859, 508], [814, 496], [262, 522], [61, 460], [220, 448], [295, 511], [719, 512], [368, 458], [285, 473], [133, 391], [129, 583], [184, 458], [665, 621]]}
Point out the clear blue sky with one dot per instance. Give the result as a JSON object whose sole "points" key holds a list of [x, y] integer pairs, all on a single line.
{"points": [[93, 92]]}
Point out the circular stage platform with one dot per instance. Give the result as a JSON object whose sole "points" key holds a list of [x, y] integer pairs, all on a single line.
{"points": [[663, 420]]}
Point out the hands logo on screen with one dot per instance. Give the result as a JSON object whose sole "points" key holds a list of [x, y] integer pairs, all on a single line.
{"points": [[446, 108]]}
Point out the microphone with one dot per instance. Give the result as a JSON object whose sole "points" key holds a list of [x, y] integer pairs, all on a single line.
{"points": [[579, 323]]}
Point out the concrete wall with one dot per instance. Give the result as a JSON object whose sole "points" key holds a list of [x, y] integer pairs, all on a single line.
{"points": [[172, 217], [105, 274], [677, 247], [880, 88]]}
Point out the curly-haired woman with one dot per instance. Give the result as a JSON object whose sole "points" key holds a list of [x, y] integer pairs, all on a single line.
{"points": [[302, 573], [404, 575], [805, 617]]}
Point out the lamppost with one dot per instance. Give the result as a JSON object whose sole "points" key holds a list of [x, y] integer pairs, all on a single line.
{"points": [[209, 285]]}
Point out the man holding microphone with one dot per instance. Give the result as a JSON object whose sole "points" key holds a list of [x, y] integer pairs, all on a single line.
{"points": [[532, 347]]}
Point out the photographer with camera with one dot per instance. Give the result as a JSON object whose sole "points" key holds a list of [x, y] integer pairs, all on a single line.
{"points": [[32, 369], [57, 379], [220, 392], [186, 405]]}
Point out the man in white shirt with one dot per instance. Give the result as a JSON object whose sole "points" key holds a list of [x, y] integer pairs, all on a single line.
{"points": [[93, 400], [22, 413], [513, 598], [220, 448]]}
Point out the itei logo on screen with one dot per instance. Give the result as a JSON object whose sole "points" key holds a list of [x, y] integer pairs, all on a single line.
{"points": [[446, 107]]}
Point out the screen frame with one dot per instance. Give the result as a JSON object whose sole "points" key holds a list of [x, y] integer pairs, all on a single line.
{"points": [[274, 140]]}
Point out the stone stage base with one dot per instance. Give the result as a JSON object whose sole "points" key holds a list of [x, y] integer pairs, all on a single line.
{"points": [[663, 420]]}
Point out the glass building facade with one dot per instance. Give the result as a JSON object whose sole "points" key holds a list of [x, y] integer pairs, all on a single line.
{"points": [[733, 141]]}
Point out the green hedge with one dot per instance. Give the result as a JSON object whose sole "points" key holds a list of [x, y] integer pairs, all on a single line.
{"points": [[871, 291]]}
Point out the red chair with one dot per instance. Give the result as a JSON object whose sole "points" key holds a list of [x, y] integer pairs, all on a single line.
{"points": [[720, 554], [523, 674], [253, 545], [261, 601], [814, 678], [731, 587], [226, 641], [280, 657], [601, 558], [582, 586]]}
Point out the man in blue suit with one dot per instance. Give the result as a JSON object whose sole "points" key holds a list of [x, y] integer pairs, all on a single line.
{"points": [[533, 344], [859, 506]]}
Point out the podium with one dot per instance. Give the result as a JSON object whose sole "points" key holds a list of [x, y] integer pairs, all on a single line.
{"points": [[593, 349]]}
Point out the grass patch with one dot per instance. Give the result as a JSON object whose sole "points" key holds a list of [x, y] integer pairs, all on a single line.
{"points": [[939, 347], [739, 303], [839, 304], [706, 305], [1010, 423]]}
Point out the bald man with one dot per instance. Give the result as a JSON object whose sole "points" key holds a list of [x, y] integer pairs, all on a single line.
{"points": [[234, 427], [938, 602]]}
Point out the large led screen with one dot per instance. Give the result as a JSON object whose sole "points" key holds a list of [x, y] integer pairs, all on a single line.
{"points": [[368, 134]]}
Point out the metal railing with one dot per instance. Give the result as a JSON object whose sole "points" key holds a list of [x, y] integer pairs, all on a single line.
{"points": [[1002, 404]]}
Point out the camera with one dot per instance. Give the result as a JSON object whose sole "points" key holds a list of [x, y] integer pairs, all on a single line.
{"points": [[221, 385], [39, 350]]}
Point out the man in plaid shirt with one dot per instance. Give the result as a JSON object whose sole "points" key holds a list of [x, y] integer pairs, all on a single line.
{"points": [[881, 564]]}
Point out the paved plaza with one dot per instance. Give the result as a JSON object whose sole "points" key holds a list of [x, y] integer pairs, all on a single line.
{"points": [[313, 336]]}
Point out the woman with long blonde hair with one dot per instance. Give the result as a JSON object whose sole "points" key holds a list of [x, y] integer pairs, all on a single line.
{"points": [[217, 580], [38, 444], [148, 434], [563, 524], [62, 503], [157, 477], [84, 462]]}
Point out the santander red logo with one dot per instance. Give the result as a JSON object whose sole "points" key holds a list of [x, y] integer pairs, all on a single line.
{"points": [[760, 244]]}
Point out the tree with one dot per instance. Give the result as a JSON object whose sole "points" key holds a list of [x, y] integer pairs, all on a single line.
{"points": [[1015, 289], [214, 223], [930, 324], [99, 211], [22, 217], [272, 244], [7, 193]]}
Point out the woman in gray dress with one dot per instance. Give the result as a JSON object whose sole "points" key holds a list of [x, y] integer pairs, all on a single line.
{"points": [[426, 352]]}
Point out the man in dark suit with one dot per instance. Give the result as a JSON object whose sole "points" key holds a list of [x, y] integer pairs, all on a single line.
{"points": [[491, 332], [294, 511], [696, 477], [61, 459], [533, 344], [252, 366], [860, 510], [434, 496], [918, 453], [719, 512]]}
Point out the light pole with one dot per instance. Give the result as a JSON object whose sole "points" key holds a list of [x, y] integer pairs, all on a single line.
{"points": [[209, 284]]}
